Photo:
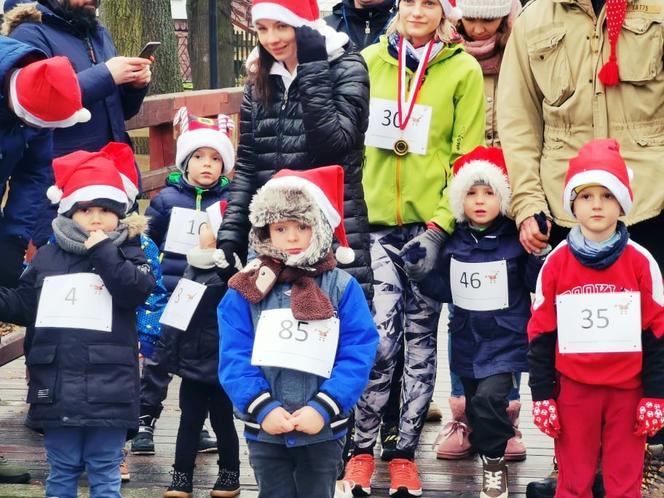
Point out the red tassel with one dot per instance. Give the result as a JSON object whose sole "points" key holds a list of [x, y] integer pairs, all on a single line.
{"points": [[609, 73]]}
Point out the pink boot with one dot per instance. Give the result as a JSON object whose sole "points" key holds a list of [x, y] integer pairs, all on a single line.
{"points": [[515, 450], [452, 442]]}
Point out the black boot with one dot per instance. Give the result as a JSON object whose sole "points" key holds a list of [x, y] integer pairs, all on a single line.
{"points": [[546, 488], [207, 443], [143, 442], [181, 485], [228, 483]]}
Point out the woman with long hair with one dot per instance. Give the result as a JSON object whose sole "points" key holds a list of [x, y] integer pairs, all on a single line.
{"points": [[426, 110]]}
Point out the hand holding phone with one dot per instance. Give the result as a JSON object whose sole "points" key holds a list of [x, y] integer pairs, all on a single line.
{"points": [[149, 49]]}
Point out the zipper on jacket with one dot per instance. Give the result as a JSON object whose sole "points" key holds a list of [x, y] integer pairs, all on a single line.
{"points": [[399, 220], [199, 198], [91, 50], [284, 102]]}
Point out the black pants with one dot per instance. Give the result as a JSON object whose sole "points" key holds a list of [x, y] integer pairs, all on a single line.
{"points": [[486, 409], [154, 388], [196, 398]]}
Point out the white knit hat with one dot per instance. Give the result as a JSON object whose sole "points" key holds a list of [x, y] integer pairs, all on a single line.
{"points": [[485, 9]]}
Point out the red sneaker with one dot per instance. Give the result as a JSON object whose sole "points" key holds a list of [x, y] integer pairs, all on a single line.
{"points": [[404, 477], [359, 471]]}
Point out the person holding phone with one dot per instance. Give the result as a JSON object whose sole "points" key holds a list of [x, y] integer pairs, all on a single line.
{"points": [[113, 86]]}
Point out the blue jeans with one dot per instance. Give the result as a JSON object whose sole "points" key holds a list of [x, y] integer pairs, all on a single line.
{"points": [[301, 472], [71, 450]]}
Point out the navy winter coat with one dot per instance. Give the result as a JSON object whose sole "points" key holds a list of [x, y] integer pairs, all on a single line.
{"points": [[194, 354], [178, 193], [487, 343], [25, 153], [78, 377]]}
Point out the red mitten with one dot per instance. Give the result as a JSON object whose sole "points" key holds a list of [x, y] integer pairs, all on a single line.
{"points": [[649, 416], [545, 416]]}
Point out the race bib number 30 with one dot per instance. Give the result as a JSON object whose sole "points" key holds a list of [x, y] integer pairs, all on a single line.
{"points": [[183, 229], [479, 286], [77, 301], [308, 346], [599, 323], [384, 129]]}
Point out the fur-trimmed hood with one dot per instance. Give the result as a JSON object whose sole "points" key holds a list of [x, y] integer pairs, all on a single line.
{"points": [[278, 203], [23, 12], [137, 224]]}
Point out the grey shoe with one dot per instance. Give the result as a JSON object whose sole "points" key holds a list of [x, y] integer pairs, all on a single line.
{"points": [[12, 474], [494, 478], [143, 442], [207, 443]]}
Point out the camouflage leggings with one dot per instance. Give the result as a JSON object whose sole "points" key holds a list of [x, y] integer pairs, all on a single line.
{"points": [[399, 309]]}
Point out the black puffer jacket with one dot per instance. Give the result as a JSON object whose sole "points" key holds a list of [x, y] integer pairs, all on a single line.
{"points": [[320, 121]]}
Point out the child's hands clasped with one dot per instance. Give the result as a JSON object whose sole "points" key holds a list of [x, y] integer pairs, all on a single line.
{"points": [[96, 236], [278, 421], [649, 416], [545, 416], [308, 420]]}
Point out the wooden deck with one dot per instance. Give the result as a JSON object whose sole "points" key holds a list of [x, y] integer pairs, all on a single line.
{"points": [[150, 474]]}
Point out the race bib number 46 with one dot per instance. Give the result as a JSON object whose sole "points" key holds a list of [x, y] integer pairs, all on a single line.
{"points": [[183, 229], [479, 286], [599, 323], [77, 301], [282, 341]]}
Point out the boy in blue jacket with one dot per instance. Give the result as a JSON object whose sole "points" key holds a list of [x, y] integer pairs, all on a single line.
{"points": [[297, 337], [78, 299], [488, 276]]}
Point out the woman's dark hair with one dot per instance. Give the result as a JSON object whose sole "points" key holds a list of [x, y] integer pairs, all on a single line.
{"points": [[502, 35], [260, 77]]}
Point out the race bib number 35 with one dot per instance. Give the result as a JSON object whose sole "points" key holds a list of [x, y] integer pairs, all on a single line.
{"points": [[308, 346], [77, 301], [599, 323], [479, 286], [183, 229]]}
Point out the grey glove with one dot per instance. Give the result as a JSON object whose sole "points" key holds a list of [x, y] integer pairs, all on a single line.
{"points": [[419, 255]]}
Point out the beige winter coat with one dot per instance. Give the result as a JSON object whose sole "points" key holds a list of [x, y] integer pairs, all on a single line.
{"points": [[550, 101], [490, 92]]}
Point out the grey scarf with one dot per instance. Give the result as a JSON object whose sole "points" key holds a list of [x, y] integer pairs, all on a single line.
{"points": [[71, 237]]}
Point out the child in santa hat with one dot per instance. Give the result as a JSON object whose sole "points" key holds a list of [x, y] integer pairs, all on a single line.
{"points": [[78, 299], [297, 337], [596, 354], [488, 276]]}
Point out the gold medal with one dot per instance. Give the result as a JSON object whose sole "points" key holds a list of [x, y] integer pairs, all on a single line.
{"points": [[400, 147]]}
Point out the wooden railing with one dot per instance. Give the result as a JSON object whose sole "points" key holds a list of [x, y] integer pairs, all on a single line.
{"points": [[157, 113]]}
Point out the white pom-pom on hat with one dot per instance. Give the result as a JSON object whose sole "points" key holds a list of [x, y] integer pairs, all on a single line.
{"points": [[54, 194]]}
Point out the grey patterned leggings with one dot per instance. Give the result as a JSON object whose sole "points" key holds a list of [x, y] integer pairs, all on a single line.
{"points": [[399, 309]]}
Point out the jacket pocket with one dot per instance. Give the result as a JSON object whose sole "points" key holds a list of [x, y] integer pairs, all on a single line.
{"points": [[550, 64], [641, 36], [112, 375], [43, 374]]}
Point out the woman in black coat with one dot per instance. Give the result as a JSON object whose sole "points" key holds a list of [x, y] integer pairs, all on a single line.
{"points": [[306, 104]]}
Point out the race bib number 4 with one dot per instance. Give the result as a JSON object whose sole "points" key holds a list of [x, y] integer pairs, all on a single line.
{"points": [[182, 304], [183, 229], [384, 130], [479, 286], [77, 301], [599, 323], [282, 341]]}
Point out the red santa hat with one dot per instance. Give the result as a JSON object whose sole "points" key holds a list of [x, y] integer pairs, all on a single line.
{"points": [[615, 16], [123, 157], [481, 166], [599, 163], [45, 94], [196, 132], [84, 177], [295, 13]]}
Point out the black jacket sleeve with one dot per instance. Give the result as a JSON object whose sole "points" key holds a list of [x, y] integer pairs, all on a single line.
{"points": [[542, 366], [19, 305], [653, 365]]}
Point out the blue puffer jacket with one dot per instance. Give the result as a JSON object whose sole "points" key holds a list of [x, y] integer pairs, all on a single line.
{"points": [[178, 193], [487, 343], [25, 153], [256, 391]]}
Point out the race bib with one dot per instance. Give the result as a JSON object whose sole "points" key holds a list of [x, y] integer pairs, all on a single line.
{"points": [[182, 304], [183, 229], [479, 286], [282, 341], [79, 301], [599, 323], [384, 129]]}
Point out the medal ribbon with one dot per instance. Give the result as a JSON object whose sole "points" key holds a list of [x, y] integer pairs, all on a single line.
{"points": [[419, 79]]}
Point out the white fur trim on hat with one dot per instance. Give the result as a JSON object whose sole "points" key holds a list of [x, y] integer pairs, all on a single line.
{"points": [[471, 174], [277, 12], [92, 192], [597, 177], [485, 9], [191, 140], [80, 116], [130, 188]]}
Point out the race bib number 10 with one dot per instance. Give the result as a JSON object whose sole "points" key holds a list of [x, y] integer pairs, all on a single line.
{"points": [[183, 230]]}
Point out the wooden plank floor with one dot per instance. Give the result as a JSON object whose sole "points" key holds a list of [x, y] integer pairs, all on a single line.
{"points": [[440, 478]]}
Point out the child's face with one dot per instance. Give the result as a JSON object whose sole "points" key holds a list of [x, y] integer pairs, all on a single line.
{"points": [[96, 218], [480, 29], [597, 209], [290, 236], [204, 167], [481, 205]]}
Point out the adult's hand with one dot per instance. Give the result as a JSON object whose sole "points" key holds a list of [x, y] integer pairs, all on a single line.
{"points": [[530, 236], [310, 45], [12, 253], [127, 69]]}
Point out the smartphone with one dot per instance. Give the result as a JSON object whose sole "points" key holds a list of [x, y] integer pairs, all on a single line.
{"points": [[149, 49]]}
